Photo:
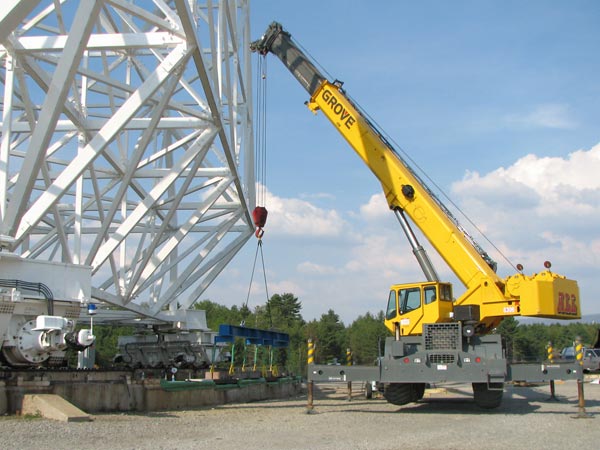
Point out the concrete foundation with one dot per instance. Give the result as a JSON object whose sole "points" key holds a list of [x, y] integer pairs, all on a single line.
{"points": [[95, 392], [53, 407]]}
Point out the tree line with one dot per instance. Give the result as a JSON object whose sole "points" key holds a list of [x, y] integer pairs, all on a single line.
{"points": [[364, 336]]}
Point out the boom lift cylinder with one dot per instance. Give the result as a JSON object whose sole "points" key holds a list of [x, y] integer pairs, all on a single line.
{"points": [[418, 250]]}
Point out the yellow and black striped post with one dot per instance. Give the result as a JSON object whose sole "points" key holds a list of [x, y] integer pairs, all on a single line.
{"points": [[349, 363], [578, 346], [550, 351], [578, 351], [311, 361]]}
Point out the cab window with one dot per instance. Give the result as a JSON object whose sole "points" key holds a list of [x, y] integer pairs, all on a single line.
{"points": [[446, 292], [409, 299], [430, 295], [391, 306]]}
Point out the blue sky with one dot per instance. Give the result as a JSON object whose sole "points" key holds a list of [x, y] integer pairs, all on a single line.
{"points": [[499, 103]]}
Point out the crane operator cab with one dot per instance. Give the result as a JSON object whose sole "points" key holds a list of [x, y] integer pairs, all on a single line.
{"points": [[412, 305]]}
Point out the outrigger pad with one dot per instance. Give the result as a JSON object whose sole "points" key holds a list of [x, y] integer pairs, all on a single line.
{"points": [[228, 333]]}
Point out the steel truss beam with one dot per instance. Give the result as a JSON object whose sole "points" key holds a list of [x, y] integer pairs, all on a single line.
{"points": [[126, 142]]}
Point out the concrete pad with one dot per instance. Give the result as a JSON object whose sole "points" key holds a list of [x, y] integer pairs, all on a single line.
{"points": [[51, 406]]}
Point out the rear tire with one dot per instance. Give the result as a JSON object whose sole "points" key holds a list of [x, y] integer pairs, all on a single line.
{"points": [[419, 390], [488, 396], [403, 393], [368, 390]]}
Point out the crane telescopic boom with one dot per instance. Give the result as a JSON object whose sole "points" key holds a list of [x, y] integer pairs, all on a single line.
{"points": [[488, 298]]}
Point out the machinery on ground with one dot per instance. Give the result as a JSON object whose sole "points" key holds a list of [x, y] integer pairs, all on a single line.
{"points": [[435, 338], [40, 303], [163, 350], [193, 346]]}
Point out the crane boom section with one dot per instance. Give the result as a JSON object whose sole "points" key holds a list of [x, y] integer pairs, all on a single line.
{"points": [[401, 188]]}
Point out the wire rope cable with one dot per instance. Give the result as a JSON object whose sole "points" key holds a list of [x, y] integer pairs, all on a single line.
{"points": [[262, 257], [245, 307], [313, 59], [260, 166], [260, 170]]}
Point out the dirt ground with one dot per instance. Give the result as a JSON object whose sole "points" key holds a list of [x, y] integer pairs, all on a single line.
{"points": [[446, 418]]}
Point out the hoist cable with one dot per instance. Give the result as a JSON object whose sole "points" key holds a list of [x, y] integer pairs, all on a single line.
{"points": [[266, 285], [262, 257], [264, 133], [260, 170], [258, 135], [313, 59], [252, 276], [260, 166]]}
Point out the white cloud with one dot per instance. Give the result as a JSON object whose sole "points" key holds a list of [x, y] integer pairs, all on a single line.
{"points": [[381, 253], [550, 183], [579, 170], [311, 268], [540, 207], [283, 286], [551, 115], [318, 196], [376, 208], [292, 216]]}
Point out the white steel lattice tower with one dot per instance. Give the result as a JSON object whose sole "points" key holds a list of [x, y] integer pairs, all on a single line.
{"points": [[126, 142]]}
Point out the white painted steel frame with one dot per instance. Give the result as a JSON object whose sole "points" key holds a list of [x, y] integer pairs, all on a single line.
{"points": [[126, 142]]}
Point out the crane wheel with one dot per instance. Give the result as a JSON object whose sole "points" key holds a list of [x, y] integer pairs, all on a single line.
{"points": [[403, 393], [368, 390], [419, 390], [488, 396]]}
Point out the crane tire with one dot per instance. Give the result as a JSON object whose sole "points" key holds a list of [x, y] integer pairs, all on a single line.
{"points": [[419, 390], [368, 390], [403, 393], [488, 396]]}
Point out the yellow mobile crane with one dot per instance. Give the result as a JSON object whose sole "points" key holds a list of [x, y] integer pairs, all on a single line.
{"points": [[434, 338]]}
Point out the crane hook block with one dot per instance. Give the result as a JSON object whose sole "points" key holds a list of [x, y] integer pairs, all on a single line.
{"points": [[259, 215]]}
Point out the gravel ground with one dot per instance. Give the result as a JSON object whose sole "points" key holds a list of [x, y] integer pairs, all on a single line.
{"points": [[446, 418]]}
